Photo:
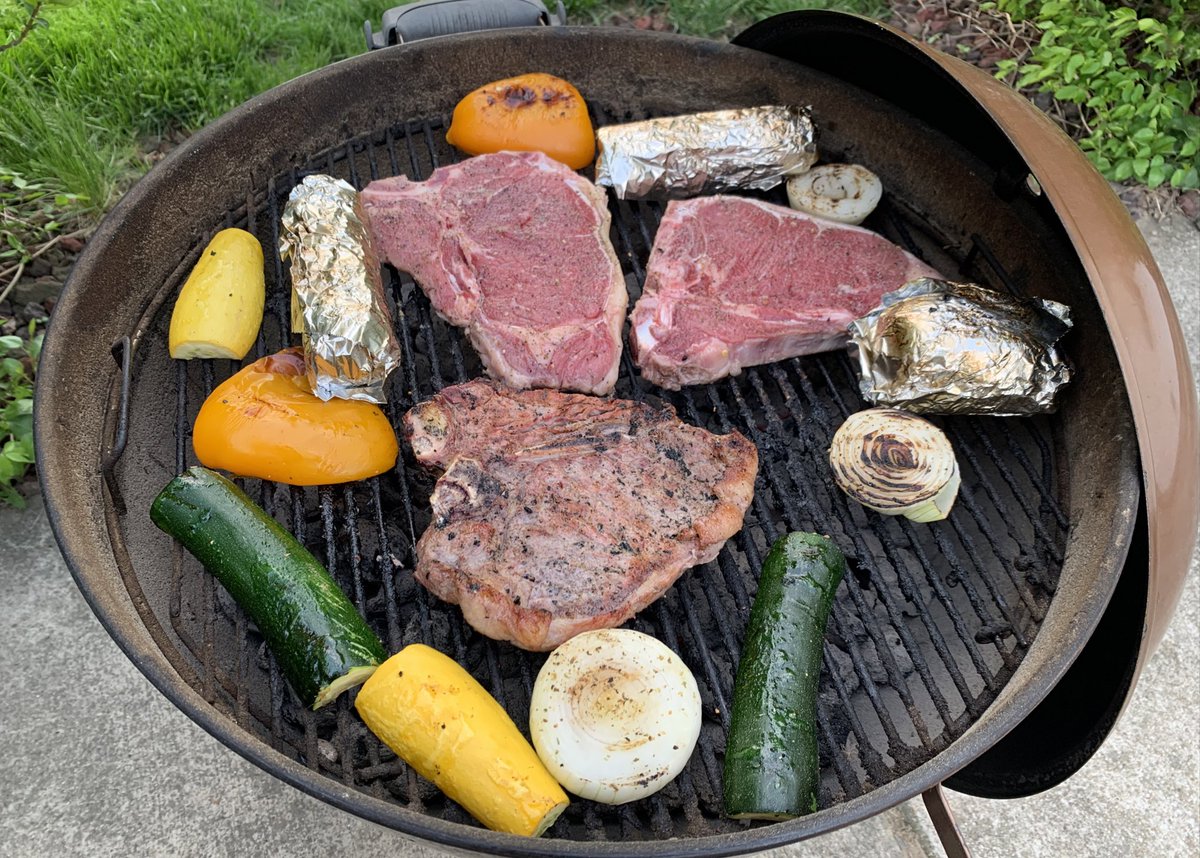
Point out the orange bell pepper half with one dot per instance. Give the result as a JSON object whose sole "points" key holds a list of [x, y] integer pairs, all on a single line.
{"points": [[529, 113], [265, 422]]}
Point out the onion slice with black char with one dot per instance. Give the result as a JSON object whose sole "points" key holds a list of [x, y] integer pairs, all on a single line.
{"points": [[895, 463], [615, 715], [846, 193]]}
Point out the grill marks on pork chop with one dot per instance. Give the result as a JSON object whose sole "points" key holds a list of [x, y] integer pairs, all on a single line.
{"points": [[559, 513], [514, 248], [734, 282]]}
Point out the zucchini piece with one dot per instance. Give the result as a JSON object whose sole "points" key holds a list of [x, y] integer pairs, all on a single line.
{"points": [[321, 642], [771, 764]]}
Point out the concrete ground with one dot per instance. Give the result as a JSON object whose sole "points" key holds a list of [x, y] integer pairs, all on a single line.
{"points": [[96, 762]]}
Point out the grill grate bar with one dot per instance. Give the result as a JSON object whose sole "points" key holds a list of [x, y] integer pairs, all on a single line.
{"points": [[391, 610], [406, 345], [1009, 480], [911, 657], [864, 614], [850, 645], [981, 248], [752, 553], [966, 498], [883, 528], [871, 760]]}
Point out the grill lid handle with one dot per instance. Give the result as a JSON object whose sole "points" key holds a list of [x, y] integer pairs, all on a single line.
{"points": [[429, 18]]}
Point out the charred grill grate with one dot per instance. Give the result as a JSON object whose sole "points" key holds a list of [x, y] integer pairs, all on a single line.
{"points": [[928, 627]]}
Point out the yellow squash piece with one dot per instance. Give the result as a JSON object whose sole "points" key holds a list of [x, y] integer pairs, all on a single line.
{"points": [[220, 308], [528, 113], [445, 725]]}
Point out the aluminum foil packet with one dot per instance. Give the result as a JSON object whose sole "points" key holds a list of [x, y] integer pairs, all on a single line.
{"points": [[699, 153], [936, 347], [338, 301]]}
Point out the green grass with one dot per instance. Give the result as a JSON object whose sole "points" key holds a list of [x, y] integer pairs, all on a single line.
{"points": [[76, 96]]}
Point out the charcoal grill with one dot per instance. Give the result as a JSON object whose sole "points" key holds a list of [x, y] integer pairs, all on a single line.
{"points": [[944, 637]]}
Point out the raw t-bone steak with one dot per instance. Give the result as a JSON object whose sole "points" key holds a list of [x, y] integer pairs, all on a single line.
{"points": [[513, 247], [734, 282], [558, 513]]}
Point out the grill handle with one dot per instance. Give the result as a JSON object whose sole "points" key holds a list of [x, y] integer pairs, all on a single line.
{"points": [[430, 18], [122, 352]]}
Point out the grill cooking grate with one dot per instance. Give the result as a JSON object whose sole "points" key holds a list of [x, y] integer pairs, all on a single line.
{"points": [[929, 625]]}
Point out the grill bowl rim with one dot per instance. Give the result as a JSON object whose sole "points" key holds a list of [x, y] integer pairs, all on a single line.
{"points": [[64, 505]]}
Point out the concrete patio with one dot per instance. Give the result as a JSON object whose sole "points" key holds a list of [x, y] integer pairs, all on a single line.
{"points": [[98, 763]]}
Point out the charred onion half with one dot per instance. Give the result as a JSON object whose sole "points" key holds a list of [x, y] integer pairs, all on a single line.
{"points": [[895, 463], [846, 193], [615, 715]]}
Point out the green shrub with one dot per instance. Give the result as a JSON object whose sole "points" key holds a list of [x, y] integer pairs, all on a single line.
{"points": [[18, 365], [30, 213], [1132, 70]]}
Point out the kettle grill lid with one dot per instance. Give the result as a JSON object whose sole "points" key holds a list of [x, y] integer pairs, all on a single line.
{"points": [[1015, 138]]}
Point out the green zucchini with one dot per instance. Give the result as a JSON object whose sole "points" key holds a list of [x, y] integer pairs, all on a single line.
{"points": [[771, 765], [320, 641]]}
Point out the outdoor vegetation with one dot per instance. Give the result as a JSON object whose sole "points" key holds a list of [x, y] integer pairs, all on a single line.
{"points": [[18, 362], [92, 92], [1131, 70]]}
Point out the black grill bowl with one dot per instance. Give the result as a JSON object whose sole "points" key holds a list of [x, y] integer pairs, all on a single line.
{"points": [[943, 636]]}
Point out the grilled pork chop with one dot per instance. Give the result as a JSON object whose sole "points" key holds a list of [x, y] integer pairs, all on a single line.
{"points": [[513, 247], [735, 282], [558, 513]]}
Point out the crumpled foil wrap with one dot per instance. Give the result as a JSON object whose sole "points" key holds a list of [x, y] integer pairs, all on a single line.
{"points": [[699, 153], [936, 347], [349, 343]]}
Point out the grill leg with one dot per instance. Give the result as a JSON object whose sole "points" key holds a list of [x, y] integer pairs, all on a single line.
{"points": [[943, 822]]}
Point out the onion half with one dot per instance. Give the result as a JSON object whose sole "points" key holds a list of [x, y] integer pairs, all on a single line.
{"points": [[846, 193], [895, 463], [615, 715]]}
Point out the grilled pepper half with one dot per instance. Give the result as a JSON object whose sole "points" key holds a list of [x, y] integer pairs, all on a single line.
{"points": [[265, 422], [527, 113]]}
